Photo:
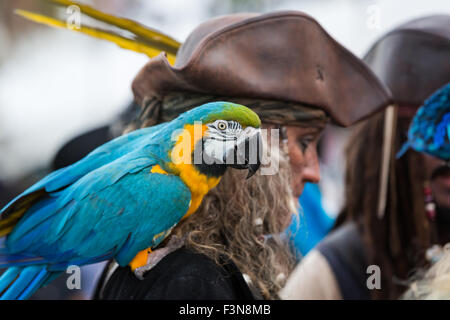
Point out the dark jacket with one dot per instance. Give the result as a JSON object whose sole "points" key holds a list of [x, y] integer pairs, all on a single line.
{"points": [[181, 275], [344, 250]]}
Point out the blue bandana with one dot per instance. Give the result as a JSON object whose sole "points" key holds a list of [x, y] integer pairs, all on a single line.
{"points": [[429, 131]]}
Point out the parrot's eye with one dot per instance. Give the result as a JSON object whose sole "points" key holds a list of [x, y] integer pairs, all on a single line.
{"points": [[222, 125]]}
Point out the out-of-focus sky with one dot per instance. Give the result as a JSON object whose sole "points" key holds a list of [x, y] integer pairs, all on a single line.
{"points": [[54, 84]]}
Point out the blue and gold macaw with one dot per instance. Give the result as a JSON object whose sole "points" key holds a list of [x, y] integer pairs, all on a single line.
{"points": [[124, 197], [429, 131]]}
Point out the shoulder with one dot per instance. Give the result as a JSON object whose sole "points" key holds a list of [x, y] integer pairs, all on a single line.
{"points": [[312, 279], [185, 264], [335, 269], [182, 274], [345, 252]]}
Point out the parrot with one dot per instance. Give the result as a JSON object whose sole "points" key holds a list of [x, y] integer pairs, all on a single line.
{"points": [[123, 197], [429, 131]]}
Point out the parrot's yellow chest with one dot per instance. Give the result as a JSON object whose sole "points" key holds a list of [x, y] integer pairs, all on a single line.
{"points": [[198, 183]]}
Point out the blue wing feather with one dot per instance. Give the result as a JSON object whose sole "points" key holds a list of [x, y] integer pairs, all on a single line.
{"points": [[134, 208], [103, 155]]}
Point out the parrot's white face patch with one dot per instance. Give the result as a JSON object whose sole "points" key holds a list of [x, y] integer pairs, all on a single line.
{"points": [[224, 130], [224, 140], [220, 140]]}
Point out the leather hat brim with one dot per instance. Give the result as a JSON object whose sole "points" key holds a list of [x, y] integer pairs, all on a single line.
{"points": [[284, 56]]}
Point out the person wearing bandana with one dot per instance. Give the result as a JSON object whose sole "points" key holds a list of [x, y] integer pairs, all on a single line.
{"points": [[396, 216]]}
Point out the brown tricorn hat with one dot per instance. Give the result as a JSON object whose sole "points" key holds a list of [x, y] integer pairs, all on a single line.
{"points": [[283, 56], [413, 60]]}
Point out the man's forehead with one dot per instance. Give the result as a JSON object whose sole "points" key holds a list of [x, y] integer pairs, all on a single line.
{"points": [[305, 130]]}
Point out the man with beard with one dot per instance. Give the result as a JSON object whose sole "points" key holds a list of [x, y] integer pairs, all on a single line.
{"points": [[371, 252], [430, 133]]}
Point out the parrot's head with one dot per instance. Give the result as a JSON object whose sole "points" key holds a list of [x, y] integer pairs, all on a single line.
{"points": [[221, 135]]}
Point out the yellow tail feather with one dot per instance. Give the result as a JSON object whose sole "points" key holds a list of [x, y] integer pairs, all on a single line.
{"points": [[6, 225], [126, 24], [12, 216], [146, 40], [123, 42]]}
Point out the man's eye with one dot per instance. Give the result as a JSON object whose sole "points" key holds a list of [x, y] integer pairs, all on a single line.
{"points": [[304, 143], [222, 125]]}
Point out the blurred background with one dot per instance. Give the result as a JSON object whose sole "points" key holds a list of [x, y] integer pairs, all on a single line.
{"points": [[56, 84]]}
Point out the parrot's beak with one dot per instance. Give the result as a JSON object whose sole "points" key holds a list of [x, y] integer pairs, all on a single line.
{"points": [[252, 169], [248, 152]]}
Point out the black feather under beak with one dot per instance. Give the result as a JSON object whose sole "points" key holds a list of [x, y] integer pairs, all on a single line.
{"points": [[248, 154]]}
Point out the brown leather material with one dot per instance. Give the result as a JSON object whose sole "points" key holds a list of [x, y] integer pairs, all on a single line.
{"points": [[413, 60], [283, 56]]}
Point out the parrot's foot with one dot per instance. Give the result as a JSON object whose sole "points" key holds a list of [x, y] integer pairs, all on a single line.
{"points": [[156, 256]]}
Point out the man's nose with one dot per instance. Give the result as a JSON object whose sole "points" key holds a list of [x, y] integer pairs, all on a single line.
{"points": [[311, 171]]}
